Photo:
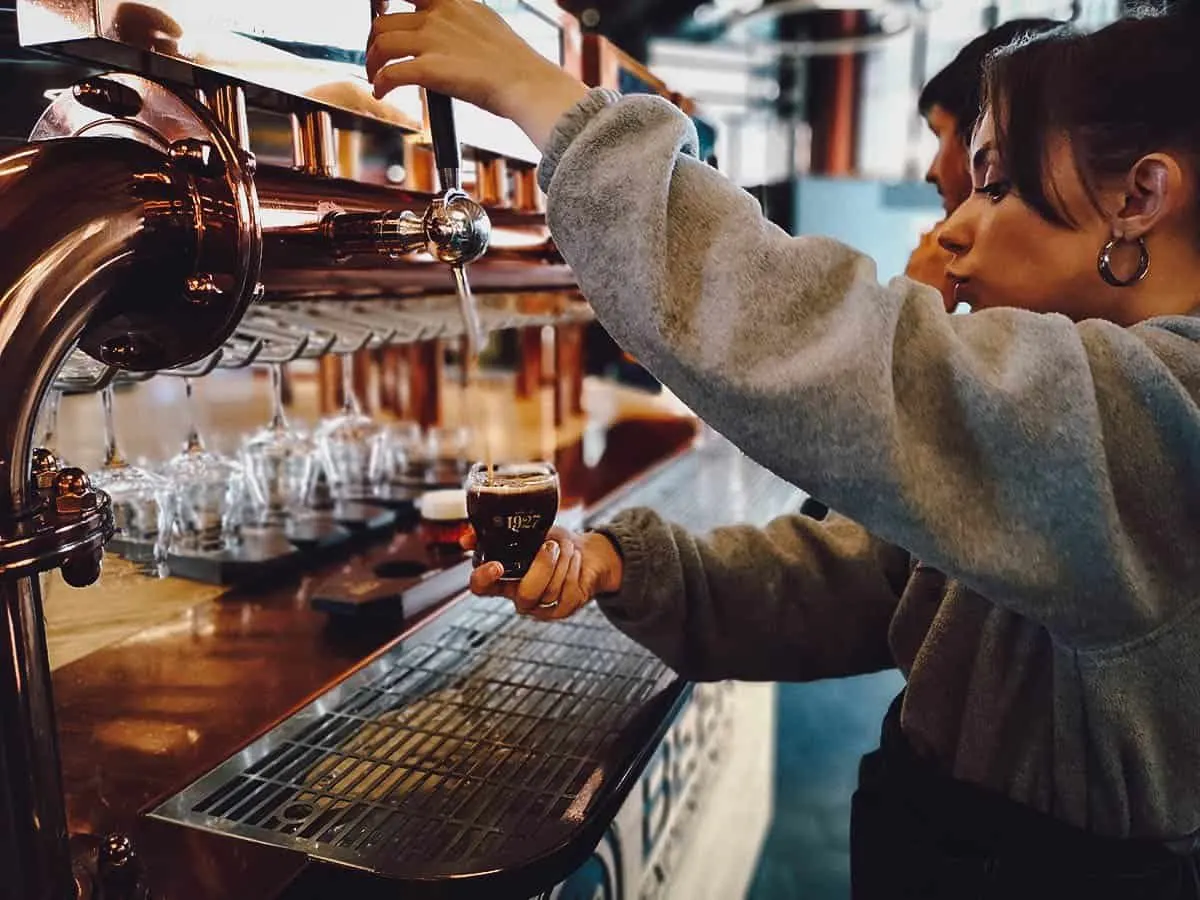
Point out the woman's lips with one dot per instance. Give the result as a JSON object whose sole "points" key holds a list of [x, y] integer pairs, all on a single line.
{"points": [[962, 291]]}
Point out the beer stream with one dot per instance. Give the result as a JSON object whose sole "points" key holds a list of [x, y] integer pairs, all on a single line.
{"points": [[474, 403]]}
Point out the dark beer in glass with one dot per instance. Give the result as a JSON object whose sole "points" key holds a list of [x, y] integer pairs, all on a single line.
{"points": [[511, 507]]}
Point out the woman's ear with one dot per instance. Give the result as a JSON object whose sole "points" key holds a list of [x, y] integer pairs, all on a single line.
{"points": [[1155, 189]]}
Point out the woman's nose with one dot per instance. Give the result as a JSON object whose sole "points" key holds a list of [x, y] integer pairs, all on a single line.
{"points": [[954, 236]]}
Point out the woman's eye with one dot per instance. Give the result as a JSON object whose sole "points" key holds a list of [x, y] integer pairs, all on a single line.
{"points": [[995, 190]]}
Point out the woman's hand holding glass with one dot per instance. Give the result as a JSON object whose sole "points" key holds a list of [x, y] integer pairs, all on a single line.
{"points": [[569, 570]]}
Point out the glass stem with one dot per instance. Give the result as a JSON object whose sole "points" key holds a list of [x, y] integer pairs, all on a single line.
{"points": [[113, 458], [350, 404], [50, 418], [192, 443], [279, 420]]}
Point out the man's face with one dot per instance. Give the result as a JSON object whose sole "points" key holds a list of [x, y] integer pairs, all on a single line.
{"points": [[950, 170]]}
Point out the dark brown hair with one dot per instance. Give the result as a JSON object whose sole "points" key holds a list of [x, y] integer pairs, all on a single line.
{"points": [[1115, 96], [958, 88]]}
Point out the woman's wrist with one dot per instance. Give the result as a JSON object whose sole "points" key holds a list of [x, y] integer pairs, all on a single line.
{"points": [[610, 563], [539, 100]]}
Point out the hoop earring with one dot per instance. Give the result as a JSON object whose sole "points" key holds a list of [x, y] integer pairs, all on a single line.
{"points": [[1105, 264]]}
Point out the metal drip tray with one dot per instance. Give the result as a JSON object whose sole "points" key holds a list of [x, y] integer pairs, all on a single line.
{"points": [[484, 743]]}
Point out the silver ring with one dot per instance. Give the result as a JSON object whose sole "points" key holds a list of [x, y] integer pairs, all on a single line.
{"points": [[547, 605]]}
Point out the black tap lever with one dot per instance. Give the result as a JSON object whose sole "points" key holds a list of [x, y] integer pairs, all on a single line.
{"points": [[447, 153]]}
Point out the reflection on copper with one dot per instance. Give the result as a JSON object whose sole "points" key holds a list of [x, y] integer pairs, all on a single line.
{"points": [[146, 28], [153, 736], [13, 167]]}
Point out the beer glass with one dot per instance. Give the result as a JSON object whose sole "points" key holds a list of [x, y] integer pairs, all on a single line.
{"points": [[511, 508]]}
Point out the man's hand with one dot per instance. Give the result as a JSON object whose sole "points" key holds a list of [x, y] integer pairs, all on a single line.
{"points": [[928, 266]]}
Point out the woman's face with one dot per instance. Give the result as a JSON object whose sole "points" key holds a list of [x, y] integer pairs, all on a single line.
{"points": [[1006, 254]]}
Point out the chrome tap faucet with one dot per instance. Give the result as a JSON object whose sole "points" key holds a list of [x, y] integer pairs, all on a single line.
{"points": [[458, 226], [455, 229]]}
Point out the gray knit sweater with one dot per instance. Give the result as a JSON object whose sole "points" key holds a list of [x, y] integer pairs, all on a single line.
{"points": [[1043, 476]]}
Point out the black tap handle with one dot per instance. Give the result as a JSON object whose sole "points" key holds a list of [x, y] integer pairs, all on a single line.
{"points": [[447, 153]]}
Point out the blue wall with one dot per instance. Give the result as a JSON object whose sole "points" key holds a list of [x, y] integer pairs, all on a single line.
{"points": [[882, 220]]}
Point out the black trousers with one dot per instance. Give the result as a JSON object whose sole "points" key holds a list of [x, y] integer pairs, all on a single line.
{"points": [[916, 833]]}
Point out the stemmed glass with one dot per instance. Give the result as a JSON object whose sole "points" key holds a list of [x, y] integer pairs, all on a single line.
{"points": [[279, 463], [143, 503], [49, 422], [210, 489], [403, 454], [350, 443], [449, 452]]}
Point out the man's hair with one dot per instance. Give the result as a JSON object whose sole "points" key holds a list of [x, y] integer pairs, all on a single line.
{"points": [[958, 88]]}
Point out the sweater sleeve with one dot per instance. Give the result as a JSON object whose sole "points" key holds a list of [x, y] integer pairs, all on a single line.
{"points": [[796, 601], [1051, 466]]}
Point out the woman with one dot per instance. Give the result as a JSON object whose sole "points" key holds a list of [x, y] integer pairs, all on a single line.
{"points": [[1038, 461], [950, 105]]}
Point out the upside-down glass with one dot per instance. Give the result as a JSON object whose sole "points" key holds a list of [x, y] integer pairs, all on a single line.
{"points": [[449, 448], [511, 507], [350, 444], [210, 490], [143, 503], [280, 464], [401, 458], [48, 425]]}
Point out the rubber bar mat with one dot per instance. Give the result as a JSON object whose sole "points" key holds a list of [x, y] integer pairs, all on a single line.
{"points": [[483, 742]]}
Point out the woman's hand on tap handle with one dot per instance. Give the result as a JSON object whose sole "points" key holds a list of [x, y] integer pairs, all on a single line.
{"points": [[464, 49], [567, 573]]}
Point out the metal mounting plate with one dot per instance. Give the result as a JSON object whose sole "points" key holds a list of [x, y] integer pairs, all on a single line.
{"points": [[228, 251]]}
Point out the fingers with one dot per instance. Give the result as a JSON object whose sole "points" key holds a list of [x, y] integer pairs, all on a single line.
{"points": [[412, 21], [399, 44], [560, 534], [576, 594], [485, 580], [552, 589], [571, 598], [532, 589], [468, 540], [561, 572], [399, 74]]}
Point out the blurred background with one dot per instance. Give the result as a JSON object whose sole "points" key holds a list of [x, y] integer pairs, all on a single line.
{"points": [[814, 102]]}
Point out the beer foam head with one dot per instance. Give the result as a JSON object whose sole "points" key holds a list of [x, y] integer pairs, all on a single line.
{"points": [[444, 506], [514, 478]]}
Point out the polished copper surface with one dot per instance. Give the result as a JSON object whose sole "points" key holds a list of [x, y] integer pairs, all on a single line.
{"points": [[255, 44], [568, 376], [105, 247], [203, 190], [299, 256], [141, 718]]}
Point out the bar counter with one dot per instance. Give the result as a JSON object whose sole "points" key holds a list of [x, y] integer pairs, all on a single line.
{"points": [[146, 716]]}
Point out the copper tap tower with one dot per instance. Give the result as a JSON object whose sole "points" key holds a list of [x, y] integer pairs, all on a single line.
{"points": [[135, 227]]}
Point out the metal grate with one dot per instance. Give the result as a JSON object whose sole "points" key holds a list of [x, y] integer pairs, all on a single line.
{"points": [[480, 743]]}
